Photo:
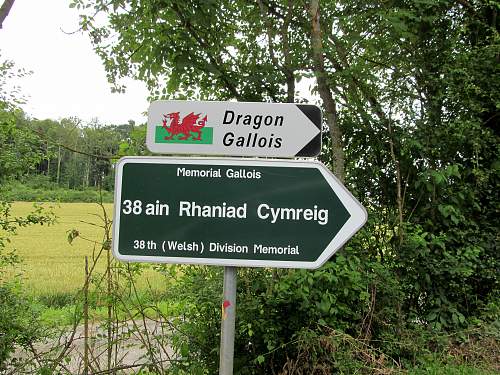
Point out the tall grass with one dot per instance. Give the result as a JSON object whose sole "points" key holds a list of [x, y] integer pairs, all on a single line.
{"points": [[52, 268], [438, 368]]}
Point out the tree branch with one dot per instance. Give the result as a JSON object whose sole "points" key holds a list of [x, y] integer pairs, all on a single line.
{"points": [[324, 90], [102, 157], [285, 67], [4, 10], [223, 76], [288, 70]]}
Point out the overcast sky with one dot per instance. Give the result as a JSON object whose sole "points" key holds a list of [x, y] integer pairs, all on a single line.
{"points": [[68, 78]]}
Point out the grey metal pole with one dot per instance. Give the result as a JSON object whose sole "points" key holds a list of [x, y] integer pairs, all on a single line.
{"points": [[228, 322]]}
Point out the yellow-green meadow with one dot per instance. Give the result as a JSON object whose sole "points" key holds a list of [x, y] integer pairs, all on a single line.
{"points": [[51, 265]]}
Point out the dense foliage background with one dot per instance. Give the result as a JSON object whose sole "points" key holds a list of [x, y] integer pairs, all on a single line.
{"points": [[411, 95], [410, 92]]}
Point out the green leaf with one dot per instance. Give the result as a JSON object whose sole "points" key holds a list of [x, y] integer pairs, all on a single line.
{"points": [[72, 234]]}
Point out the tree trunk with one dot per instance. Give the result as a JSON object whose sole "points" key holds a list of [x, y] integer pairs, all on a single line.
{"points": [[286, 67], [325, 92], [4, 10], [58, 165], [86, 177], [399, 197], [48, 159], [288, 70]]}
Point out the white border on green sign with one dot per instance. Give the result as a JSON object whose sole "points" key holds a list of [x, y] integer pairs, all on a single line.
{"points": [[354, 223]]}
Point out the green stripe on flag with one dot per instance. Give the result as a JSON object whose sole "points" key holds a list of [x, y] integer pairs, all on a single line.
{"points": [[206, 136]]}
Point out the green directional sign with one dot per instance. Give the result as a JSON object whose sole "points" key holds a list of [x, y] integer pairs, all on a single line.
{"points": [[231, 212]]}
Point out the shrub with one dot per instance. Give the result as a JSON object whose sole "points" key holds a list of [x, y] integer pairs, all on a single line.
{"points": [[351, 295], [18, 321], [44, 191]]}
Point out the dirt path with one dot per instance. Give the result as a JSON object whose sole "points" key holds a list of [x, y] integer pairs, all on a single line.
{"points": [[128, 355]]}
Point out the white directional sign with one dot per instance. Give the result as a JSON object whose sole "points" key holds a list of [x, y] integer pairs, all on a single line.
{"points": [[234, 128]]}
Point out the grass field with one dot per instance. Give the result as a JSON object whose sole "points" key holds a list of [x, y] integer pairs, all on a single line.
{"points": [[51, 265]]}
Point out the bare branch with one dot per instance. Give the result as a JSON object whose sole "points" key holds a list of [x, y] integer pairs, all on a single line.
{"points": [[4, 10], [102, 157]]}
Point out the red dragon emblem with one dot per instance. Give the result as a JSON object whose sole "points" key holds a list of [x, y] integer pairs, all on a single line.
{"points": [[190, 124]]}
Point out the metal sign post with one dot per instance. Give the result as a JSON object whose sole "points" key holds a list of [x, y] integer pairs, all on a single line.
{"points": [[228, 322]]}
